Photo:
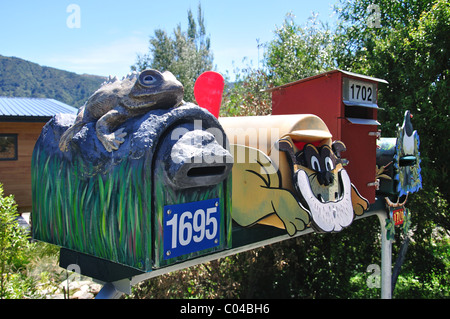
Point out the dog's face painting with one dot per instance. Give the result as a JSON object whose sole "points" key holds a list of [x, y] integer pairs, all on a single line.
{"points": [[323, 184], [322, 164]]}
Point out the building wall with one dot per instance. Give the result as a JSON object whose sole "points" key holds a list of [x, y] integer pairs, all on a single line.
{"points": [[16, 175]]}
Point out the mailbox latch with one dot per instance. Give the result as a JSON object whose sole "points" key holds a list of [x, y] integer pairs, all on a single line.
{"points": [[376, 134], [376, 183]]}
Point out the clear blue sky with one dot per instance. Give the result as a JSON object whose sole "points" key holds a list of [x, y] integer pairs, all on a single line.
{"points": [[111, 33]]}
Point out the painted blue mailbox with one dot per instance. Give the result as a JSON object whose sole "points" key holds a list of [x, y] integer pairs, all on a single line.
{"points": [[137, 179]]}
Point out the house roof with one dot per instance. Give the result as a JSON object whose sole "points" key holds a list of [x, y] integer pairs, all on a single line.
{"points": [[328, 73], [31, 109]]}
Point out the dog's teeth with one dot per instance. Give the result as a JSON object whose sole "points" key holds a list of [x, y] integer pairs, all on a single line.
{"points": [[321, 198]]}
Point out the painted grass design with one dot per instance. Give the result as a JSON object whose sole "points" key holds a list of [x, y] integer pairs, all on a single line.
{"points": [[108, 216]]}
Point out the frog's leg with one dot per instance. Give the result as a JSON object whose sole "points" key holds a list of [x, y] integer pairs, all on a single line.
{"points": [[71, 131], [68, 135], [110, 139]]}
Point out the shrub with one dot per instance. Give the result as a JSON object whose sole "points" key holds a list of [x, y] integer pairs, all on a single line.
{"points": [[14, 245]]}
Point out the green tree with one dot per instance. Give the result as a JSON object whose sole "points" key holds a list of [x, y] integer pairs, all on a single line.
{"points": [[410, 49], [247, 96], [295, 52], [186, 54], [299, 51]]}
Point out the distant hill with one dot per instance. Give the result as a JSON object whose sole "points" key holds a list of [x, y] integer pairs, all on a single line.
{"points": [[22, 78]]}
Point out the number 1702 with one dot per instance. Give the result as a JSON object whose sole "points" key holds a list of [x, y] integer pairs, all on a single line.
{"points": [[362, 92]]}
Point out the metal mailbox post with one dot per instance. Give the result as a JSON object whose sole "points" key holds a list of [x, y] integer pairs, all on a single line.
{"points": [[347, 103]]}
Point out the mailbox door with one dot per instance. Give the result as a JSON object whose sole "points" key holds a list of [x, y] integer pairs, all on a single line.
{"points": [[361, 154], [192, 212]]}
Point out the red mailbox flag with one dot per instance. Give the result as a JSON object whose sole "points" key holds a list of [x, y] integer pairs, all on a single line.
{"points": [[208, 91]]}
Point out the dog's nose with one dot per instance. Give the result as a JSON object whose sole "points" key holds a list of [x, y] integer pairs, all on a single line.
{"points": [[325, 178]]}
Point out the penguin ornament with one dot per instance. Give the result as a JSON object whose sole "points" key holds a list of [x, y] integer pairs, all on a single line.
{"points": [[407, 158]]}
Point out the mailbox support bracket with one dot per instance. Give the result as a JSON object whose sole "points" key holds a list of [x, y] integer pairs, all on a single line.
{"points": [[114, 290]]}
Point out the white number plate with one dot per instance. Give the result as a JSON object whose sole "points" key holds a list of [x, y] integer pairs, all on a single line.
{"points": [[359, 91], [191, 227]]}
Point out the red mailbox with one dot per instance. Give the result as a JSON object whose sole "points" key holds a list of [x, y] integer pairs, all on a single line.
{"points": [[347, 103]]}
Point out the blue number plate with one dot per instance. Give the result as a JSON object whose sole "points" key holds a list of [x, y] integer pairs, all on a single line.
{"points": [[191, 227]]}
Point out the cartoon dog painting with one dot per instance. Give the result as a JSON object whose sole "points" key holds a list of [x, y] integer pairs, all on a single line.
{"points": [[323, 185], [258, 196], [307, 187]]}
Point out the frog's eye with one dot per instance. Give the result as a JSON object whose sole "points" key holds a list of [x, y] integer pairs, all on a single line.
{"points": [[148, 78]]}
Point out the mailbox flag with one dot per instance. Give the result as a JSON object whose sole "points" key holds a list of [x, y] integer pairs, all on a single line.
{"points": [[208, 91]]}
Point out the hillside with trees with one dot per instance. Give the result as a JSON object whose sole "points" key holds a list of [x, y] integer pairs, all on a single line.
{"points": [[22, 78]]}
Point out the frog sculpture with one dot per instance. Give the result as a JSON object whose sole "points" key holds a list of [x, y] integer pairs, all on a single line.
{"points": [[118, 100]]}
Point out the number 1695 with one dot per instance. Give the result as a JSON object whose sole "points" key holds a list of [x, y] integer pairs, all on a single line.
{"points": [[191, 227]]}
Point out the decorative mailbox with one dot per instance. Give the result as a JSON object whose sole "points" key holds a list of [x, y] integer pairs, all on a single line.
{"points": [[399, 173], [139, 178], [347, 103], [288, 173], [398, 161]]}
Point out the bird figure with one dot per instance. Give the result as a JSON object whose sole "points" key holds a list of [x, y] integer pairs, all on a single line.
{"points": [[408, 135]]}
